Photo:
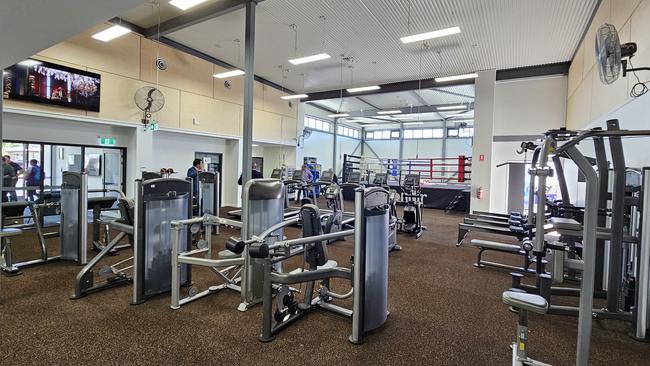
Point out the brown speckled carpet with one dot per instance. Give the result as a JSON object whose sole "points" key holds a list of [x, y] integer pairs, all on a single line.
{"points": [[443, 312]]}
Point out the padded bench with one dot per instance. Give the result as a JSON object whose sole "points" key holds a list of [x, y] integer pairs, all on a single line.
{"points": [[485, 245]]}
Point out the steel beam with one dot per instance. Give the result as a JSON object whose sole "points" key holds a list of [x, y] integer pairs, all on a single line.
{"points": [[199, 15], [407, 110], [249, 78], [560, 68]]}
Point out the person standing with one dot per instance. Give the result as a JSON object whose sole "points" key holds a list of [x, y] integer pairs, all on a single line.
{"points": [[14, 180], [255, 174], [33, 179], [193, 172], [8, 175]]}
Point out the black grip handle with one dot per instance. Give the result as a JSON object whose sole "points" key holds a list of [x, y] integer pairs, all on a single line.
{"points": [[235, 245], [259, 250]]}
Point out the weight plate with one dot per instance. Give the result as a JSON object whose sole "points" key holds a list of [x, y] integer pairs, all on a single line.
{"points": [[193, 291], [195, 228], [105, 271], [202, 244]]}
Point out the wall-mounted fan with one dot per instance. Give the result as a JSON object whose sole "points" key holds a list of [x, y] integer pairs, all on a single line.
{"points": [[149, 100], [612, 56], [305, 135]]}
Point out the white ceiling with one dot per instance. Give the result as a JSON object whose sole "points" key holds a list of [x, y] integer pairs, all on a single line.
{"points": [[496, 34], [31, 26]]}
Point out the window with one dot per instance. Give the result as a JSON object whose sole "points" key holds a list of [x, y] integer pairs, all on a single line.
{"points": [[318, 124], [382, 135], [452, 132], [466, 132], [424, 133], [347, 131]]}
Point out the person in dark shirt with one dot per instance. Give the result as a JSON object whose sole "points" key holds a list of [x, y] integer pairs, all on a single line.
{"points": [[193, 172], [14, 180], [255, 174], [33, 179]]}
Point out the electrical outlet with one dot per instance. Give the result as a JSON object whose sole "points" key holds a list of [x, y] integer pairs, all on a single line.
{"points": [[195, 121]]}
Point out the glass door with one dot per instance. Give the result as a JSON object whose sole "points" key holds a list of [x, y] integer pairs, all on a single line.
{"points": [[112, 169], [64, 158]]}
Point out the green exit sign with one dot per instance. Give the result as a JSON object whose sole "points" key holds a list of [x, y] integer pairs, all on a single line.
{"points": [[107, 141]]}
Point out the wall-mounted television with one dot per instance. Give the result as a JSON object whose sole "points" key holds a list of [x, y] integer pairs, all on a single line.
{"points": [[44, 82]]}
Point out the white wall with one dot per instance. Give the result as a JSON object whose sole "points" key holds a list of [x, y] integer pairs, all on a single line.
{"points": [[346, 145], [425, 148], [176, 151], [522, 108], [483, 132], [320, 145], [633, 115]]}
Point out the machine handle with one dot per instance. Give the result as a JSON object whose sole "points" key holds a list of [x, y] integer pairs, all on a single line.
{"points": [[235, 245]]}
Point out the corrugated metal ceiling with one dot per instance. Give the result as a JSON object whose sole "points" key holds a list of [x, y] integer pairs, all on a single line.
{"points": [[496, 34]]}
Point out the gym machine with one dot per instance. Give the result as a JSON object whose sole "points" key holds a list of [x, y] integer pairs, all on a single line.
{"points": [[262, 203], [413, 199], [289, 211], [148, 220], [588, 264], [368, 273], [381, 180], [73, 231]]}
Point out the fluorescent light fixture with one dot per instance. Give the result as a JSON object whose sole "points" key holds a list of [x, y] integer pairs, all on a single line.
{"points": [[186, 4], [228, 74], [430, 35], [312, 58], [255, 145], [394, 111], [451, 107], [363, 88], [459, 114], [364, 126], [295, 96], [413, 123], [111, 33], [338, 115], [456, 77], [29, 63]]}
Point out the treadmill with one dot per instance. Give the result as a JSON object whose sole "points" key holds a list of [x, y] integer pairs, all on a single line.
{"points": [[289, 211]]}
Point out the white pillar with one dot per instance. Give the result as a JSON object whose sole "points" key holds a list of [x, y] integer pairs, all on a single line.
{"points": [[483, 133]]}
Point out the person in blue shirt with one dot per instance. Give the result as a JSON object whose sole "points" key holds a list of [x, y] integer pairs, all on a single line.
{"points": [[193, 173], [33, 179]]}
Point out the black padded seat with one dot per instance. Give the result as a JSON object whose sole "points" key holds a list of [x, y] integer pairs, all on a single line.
{"points": [[493, 245], [561, 223], [525, 301]]}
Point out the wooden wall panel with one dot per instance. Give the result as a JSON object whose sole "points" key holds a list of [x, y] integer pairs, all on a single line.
{"points": [[621, 10], [274, 103], [234, 94], [602, 16], [214, 116], [183, 71], [575, 71], [117, 101], [120, 56], [266, 126], [289, 130]]}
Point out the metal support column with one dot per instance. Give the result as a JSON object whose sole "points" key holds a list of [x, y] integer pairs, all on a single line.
{"points": [[615, 274], [336, 141], [401, 142], [1, 146], [249, 78], [603, 197]]}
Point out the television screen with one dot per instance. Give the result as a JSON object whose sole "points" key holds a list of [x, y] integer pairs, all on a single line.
{"points": [[43, 82]]}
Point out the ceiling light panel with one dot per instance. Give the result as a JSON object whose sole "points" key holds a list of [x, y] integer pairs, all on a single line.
{"points": [[111, 33], [456, 77], [394, 111], [451, 107], [228, 74], [312, 58], [338, 115], [186, 4], [363, 88], [295, 96], [430, 35]]}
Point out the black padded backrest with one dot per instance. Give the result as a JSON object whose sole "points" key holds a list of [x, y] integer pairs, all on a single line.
{"points": [[380, 179], [297, 174], [327, 176], [412, 180], [276, 174], [354, 177], [207, 177], [151, 175], [315, 253]]}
